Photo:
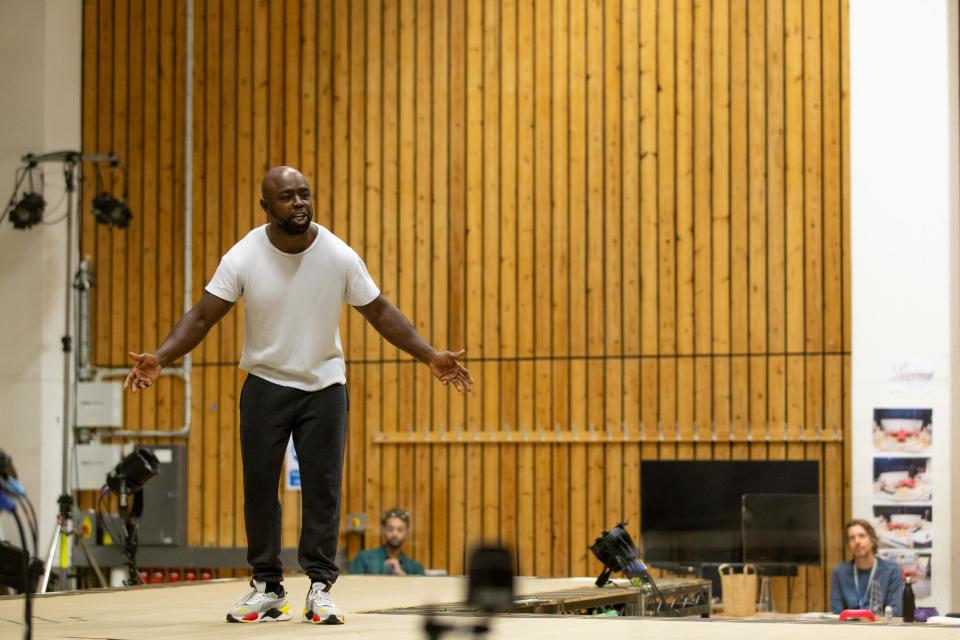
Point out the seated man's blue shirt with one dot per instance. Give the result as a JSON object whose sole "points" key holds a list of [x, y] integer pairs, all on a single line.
{"points": [[371, 561], [844, 593]]}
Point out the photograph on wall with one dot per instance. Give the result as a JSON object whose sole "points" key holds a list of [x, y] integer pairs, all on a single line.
{"points": [[915, 564], [902, 479], [907, 430], [904, 526]]}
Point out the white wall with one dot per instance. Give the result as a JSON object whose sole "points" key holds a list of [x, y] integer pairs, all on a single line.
{"points": [[40, 109], [904, 172]]}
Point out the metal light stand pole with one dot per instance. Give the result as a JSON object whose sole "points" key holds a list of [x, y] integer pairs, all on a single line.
{"points": [[64, 532]]}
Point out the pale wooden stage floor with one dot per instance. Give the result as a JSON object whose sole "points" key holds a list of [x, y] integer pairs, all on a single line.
{"points": [[198, 611]]}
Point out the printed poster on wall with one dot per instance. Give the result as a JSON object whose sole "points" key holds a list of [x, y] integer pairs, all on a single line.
{"points": [[902, 480], [903, 430]]}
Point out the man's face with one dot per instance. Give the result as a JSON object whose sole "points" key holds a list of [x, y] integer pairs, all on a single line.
{"points": [[394, 533], [859, 541], [288, 202]]}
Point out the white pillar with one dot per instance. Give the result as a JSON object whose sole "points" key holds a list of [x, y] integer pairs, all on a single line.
{"points": [[40, 110], [904, 247]]}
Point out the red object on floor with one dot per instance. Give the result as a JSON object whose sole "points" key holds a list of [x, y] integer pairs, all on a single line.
{"points": [[174, 575], [158, 576], [857, 614], [206, 574], [190, 575]]}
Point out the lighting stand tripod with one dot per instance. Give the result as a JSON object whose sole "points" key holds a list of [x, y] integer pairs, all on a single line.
{"points": [[64, 532]]}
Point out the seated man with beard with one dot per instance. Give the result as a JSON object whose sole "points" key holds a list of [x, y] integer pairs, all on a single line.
{"points": [[388, 558]]}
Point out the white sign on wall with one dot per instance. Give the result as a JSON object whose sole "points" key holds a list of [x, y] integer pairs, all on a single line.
{"points": [[292, 468]]}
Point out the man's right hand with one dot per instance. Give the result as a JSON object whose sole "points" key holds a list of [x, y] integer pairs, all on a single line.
{"points": [[144, 373], [392, 565]]}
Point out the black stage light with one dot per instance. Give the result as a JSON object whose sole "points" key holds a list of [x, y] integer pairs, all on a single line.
{"points": [[616, 550], [110, 211], [491, 580], [27, 212], [133, 471]]}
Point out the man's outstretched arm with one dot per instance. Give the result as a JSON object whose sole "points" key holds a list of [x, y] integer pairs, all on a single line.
{"points": [[394, 326], [186, 335]]}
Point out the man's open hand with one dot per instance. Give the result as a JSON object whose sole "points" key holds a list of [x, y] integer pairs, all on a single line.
{"points": [[446, 367], [144, 373]]}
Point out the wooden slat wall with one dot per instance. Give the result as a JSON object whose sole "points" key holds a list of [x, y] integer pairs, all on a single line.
{"points": [[633, 214]]}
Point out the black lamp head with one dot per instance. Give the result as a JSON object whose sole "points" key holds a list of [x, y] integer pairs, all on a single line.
{"points": [[133, 471], [28, 212], [615, 548], [110, 211]]}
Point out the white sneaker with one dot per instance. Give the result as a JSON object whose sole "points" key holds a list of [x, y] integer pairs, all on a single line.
{"points": [[319, 608], [260, 605]]}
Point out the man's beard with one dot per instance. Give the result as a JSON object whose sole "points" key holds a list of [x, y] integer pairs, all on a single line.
{"points": [[293, 228], [394, 545]]}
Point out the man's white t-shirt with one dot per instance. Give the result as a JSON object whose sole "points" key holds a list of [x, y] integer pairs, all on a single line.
{"points": [[292, 305]]}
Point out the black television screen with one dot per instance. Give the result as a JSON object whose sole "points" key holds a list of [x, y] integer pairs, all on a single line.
{"points": [[781, 528], [691, 510]]}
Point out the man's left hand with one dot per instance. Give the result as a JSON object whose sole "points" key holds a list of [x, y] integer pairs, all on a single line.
{"points": [[446, 367]]}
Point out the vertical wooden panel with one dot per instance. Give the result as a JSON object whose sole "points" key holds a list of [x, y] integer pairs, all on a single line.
{"points": [[525, 288], [458, 113], [757, 227], [490, 389], [630, 110], [508, 272], [739, 256], [473, 241], [578, 308], [440, 272], [684, 163], [139, 330], [356, 237], [595, 476], [374, 251], [542, 285], [390, 257], [720, 251], [702, 228], [230, 231], [612, 283], [560, 270], [424, 236]]}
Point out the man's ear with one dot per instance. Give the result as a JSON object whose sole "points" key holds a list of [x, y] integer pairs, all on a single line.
{"points": [[264, 205]]}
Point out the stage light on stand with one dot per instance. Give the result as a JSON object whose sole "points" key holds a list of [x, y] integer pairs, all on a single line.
{"points": [[111, 211], [126, 480], [616, 550], [133, 472], [28, 212]]}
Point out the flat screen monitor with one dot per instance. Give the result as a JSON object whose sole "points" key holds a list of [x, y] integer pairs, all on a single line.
{"points": [[781, 528], [691, 510]]}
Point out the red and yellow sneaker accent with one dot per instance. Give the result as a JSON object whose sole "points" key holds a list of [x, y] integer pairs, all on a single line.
{"points": [[273, 614]]}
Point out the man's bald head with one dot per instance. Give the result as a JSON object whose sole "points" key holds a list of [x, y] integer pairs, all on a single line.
{"points": [[277, 178], [286, 199]]}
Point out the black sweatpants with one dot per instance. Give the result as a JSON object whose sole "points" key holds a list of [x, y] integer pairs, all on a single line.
{"points": [[269, 413]]}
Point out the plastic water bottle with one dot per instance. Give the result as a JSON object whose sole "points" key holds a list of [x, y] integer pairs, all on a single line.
{"points": [[909, 602], [765, 605], [876, 599]]}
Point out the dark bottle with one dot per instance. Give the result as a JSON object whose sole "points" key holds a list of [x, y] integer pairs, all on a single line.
{"points": [[909, 603]]}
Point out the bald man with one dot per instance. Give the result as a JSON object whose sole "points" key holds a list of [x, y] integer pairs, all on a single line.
{"points": [[294, 276]]}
